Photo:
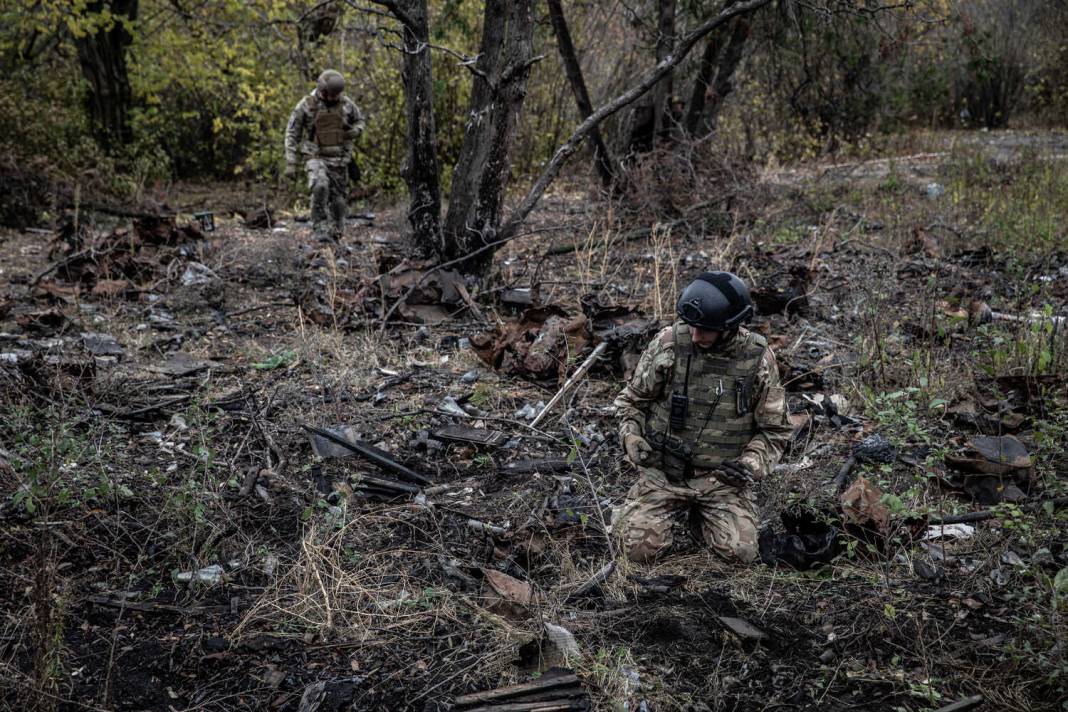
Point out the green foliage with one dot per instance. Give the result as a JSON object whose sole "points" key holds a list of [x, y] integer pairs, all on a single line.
{"points": [[1023, 207]]}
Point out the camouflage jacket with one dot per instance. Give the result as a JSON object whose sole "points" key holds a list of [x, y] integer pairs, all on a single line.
{"points": [[654, 372], [300, 131]]}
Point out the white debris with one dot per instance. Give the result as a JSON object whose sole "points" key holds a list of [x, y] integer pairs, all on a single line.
{"points": [[949, 531]]}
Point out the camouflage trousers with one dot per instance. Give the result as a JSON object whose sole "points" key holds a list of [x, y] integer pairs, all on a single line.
{"points": [[328, 182], [727, 516]]}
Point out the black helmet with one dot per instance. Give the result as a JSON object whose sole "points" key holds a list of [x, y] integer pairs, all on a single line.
{"points": [[716, 301]]}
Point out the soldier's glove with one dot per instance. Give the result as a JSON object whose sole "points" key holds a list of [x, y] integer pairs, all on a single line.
{"points": [[637, 448], [734, 474], [290, 171]]}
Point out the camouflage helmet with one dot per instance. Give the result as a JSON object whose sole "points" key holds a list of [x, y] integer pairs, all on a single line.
{"points": [[331, 82]]}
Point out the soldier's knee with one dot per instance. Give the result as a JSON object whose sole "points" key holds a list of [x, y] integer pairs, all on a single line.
{"points": [[643, 544]]}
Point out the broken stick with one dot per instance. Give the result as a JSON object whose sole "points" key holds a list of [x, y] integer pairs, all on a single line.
{"points": [[369, 453], [503, 693], [983, 514], [578, 374], [598, 578], [839, 480]]}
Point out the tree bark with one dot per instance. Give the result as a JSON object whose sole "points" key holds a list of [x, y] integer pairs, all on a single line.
{"points": [[481, 172], [420, 169], [662, 94], [706, 72], [573, 70], [728, 63], [102, 56]]}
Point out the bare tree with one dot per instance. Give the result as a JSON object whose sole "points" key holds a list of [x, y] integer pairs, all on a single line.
{"points": [[420, 170], [474, 228], [722, 55], [481, 174]]}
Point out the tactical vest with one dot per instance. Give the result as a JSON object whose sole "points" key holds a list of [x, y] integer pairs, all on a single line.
{"points": [[329, 124], [721, 395]]}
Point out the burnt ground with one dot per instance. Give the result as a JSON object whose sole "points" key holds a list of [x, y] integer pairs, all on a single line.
{"points": [[122, 470]]}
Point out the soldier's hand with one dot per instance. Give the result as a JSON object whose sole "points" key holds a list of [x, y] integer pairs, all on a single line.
{"points": [[637, 448], [290, 171], [734, 474]]}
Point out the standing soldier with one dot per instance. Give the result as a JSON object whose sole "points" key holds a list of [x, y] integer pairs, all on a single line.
{"points": [[322, 130], [703, 418]]}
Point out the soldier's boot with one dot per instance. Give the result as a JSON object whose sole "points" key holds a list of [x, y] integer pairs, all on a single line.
{"points": [[338, 206], [337, 217], [320, 195]]}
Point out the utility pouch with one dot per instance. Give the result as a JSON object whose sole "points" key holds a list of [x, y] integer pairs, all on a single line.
{"points": [[680, 404], [676, 457]]}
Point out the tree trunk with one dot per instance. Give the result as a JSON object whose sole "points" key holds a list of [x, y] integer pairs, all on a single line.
{"points": [[420, 169], [102, 56], [481, 173], [728, 63], [662, 94], [706, 72], [573, 70]]}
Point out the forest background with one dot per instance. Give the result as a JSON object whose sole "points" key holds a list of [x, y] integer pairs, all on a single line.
{"points": [[126, 94]]}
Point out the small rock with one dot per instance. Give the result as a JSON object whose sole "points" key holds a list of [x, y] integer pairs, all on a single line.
{"points": [[470, 376]]}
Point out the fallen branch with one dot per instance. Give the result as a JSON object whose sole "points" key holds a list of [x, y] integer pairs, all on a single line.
{"points": [[150, 607], [547, 706], [598, 578], [566, 249], [984, 514], [575, 377], [369, 453], [839, 480], [503, 693]]}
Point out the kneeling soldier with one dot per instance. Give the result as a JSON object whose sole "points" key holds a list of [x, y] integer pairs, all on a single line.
{"points": [[703, 418]]}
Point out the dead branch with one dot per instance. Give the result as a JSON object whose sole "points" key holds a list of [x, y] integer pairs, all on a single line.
{"points": [[368, 453], [504, 693], [575, 377], [984, 514]]}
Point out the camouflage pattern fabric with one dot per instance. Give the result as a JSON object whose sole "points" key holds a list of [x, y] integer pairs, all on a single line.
{"points": [[327, 182], [726, 516], [327, 176], [653, 374]]}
